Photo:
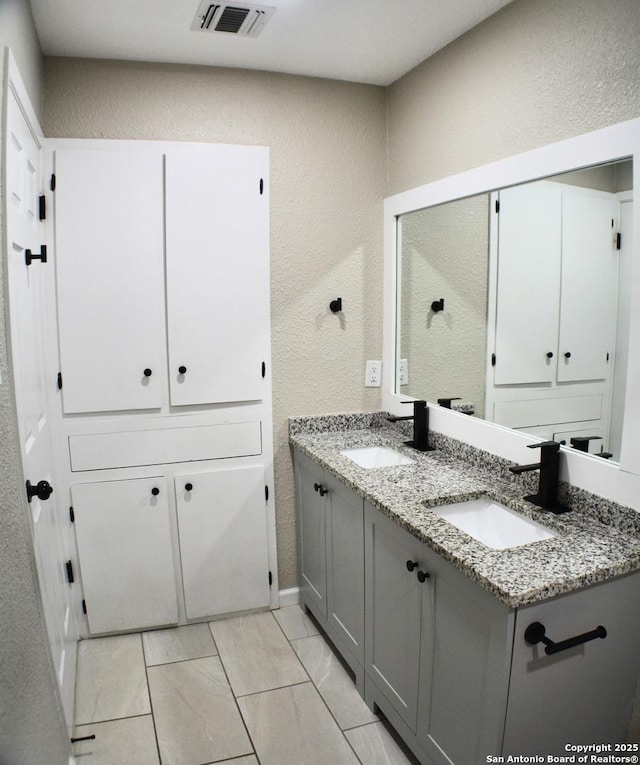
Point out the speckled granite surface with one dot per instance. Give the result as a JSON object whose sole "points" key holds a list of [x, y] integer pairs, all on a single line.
{"points": [[596, 541]]}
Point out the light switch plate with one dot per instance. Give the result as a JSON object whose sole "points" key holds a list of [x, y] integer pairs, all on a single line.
{"points": [[373, 374]]}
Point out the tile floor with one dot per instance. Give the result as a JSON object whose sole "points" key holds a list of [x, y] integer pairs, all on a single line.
{"points": [[262, 689]]}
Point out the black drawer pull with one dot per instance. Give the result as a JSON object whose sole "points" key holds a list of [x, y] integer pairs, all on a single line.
{"points": [[423, 576], [188, 486], [535, 633], [155, 491], [411, 564]]}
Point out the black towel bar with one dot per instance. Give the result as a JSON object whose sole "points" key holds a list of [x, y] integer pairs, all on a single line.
{"points": [[535, 633]]}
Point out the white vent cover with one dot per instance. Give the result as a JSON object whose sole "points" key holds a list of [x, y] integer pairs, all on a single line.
{"points": [[232, 18]]}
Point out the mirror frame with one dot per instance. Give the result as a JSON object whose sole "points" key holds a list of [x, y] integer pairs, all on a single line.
{"points": [[620, 482]]}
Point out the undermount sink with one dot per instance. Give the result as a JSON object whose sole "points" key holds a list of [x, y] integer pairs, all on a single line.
{"points": [[376, 456], [493, 524]]}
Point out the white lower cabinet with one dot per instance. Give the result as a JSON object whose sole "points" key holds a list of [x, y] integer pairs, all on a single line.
{"points": [[125, 553], [223, 540], [445, 661]]}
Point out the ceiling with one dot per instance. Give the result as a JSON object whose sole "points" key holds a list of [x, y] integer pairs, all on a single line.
{"points": [[369, 41]]}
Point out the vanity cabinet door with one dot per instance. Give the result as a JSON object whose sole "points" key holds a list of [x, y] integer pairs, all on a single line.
{"points": [[393, 607], [223, 540], [464, 666], [345, 566], [312, 546], [126, 559]]}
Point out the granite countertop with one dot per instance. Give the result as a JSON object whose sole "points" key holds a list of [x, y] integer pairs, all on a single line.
{"points": [[596, 541]]}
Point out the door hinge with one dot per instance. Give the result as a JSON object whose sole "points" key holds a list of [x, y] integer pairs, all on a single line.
{"points": [[29, 256], [42, 207], [264, 369], [72, 515], [52, 182], [69, 566], [497, 205], [270, 578], [493, 359], [84, 606], [618, 241], [261, 185], [59, 381], [266, 493]]}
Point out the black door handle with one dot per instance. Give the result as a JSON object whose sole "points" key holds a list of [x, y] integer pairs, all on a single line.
{"points": [[423, 576], [155, 491], [42, 490], [411, 564], [188, 486], [182, 370], [567, 355], [147, 372]]}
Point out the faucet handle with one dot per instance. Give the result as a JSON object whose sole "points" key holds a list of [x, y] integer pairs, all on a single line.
{"points": [[552, 446], [418, 401]]}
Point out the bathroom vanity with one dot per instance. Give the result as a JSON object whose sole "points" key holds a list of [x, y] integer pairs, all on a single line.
{"points": [[437, 626]]}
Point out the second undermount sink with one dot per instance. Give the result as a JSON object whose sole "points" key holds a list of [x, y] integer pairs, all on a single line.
{"points": [[376, 456], [493, 524]]}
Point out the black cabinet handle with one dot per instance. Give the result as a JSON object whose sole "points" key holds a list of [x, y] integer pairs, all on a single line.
{"points": [[411, 564], [319, 487], [155, 491], [188, 486], [567, 355], [147, 372], [550, 354], [423, 576], [182, 370], [535, 633], [42, 490]]}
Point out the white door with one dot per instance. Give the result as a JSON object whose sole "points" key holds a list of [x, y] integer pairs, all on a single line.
{"points": [[223, 540], [110, 270], [32, 342], [588, 293], [126, 559], [217, 210], [528, 288]]}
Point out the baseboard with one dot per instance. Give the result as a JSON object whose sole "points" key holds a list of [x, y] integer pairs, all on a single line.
{"points": [[290, 597]]}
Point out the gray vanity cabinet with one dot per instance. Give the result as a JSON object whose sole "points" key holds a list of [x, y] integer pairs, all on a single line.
{"points": [[331, 538], [393, 608]]}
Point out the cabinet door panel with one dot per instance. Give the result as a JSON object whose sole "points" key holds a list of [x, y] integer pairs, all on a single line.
{"points": [[345, 565], [223, 540], [528, 288], [393, 609], [110, 279], [312, 546], [217, 273], [589, 275], [126, 560]]}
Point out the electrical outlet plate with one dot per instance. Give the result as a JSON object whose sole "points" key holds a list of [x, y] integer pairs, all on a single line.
{"points": [[373, 374], [403, 372]]}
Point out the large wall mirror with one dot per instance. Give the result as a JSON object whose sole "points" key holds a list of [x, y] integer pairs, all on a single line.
{"points": [[513, 305], [512, 294]]}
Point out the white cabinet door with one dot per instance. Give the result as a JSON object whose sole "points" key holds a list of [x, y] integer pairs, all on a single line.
{"points": [[124, 545], [217, 273], [589, 283], [528, 285], [223, 540], [109, 263]]}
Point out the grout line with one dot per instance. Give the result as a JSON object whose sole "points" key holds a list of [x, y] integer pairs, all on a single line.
{"points": [[277, 688], [153, 719], [181, 661]]}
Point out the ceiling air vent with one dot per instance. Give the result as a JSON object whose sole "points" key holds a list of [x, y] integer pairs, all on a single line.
{"points": [[237, 19]]}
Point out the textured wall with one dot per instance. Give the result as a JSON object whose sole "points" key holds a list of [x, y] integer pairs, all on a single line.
{"points": [[536, 72], [32, 728], [328, 152], [445, 254]]}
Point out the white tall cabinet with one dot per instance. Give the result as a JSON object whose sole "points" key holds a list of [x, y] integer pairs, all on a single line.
{"points": [[162, 267]]}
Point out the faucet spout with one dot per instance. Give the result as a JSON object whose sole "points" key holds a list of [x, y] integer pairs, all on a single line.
{"points": [[525, 468]]}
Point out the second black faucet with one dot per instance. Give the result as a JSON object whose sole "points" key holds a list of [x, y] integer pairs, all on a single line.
{"points": [[420, 419]]}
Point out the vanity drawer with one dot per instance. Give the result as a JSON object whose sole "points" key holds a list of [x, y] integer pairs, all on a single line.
{"points": [[548, 411], [101, 451]]}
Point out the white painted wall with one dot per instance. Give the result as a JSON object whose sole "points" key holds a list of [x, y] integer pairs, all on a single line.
{"points": [[32, 728]]}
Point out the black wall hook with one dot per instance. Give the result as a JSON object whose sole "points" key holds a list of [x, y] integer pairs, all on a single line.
{"points": [[437, 305], [336, 305]]}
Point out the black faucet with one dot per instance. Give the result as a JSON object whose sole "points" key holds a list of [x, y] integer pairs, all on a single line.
{"points": [[549, 467], [420, 419]]}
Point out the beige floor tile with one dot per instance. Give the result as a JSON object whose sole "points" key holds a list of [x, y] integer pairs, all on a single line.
{"points": [[295, 623], [131, 741], [374, 745], [178, 644], [111, 679], [256, 655], [197, 720], [292, 726], [333, 682]]}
